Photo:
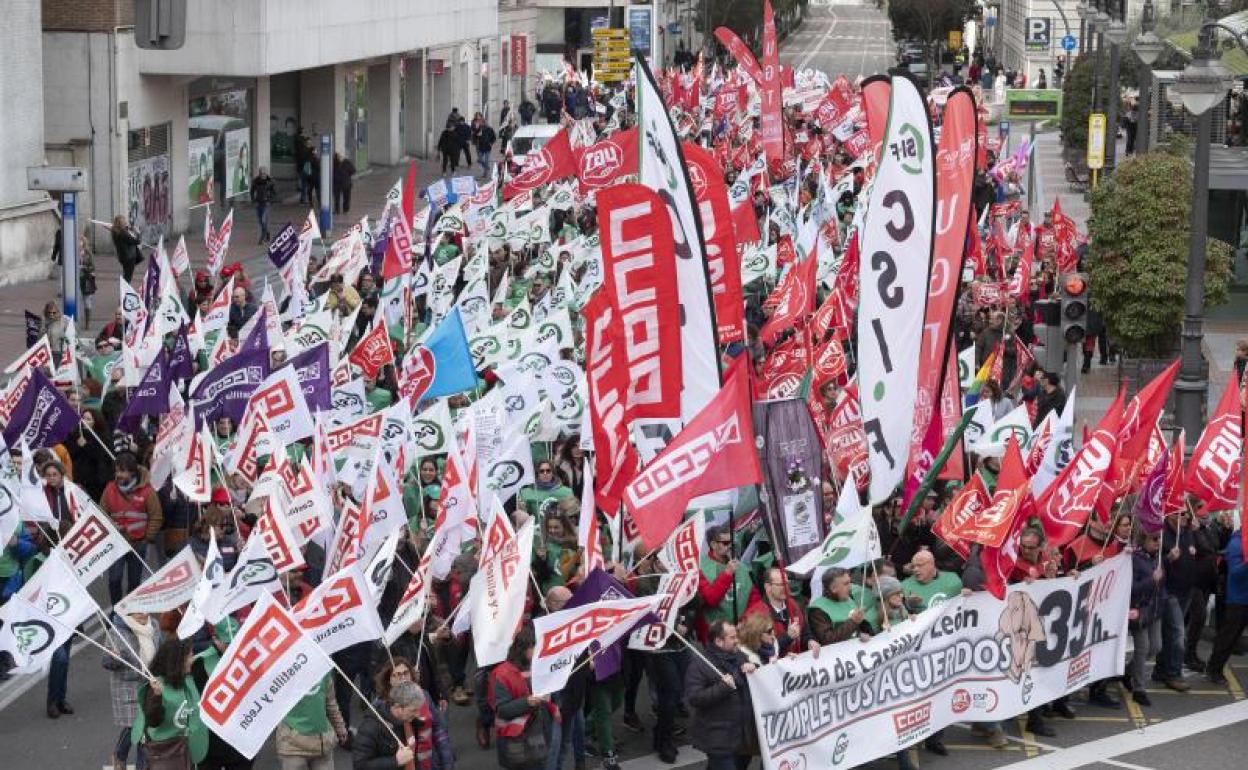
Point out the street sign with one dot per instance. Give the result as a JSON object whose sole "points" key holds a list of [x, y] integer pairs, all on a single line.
{"points": [[1033, 103], [612, 58], [1037, 34], [1003, 129], [1096, 140], [955, 40], [1069, 43]]}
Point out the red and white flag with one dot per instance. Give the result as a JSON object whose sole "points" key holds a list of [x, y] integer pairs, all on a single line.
{"points": [[793, 299], [170, 587], [1213, 473], [281, 401], [499, 586], [715, 451], [412, 604], [373, 350], [268, 668], [340, 612], [92, 544], [1066, 503], [218, 243], [279, 539], [564, 635], [587, 533]]}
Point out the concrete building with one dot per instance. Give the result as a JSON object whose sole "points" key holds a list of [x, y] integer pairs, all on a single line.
{"points": [[163, 132], [27, 221]]}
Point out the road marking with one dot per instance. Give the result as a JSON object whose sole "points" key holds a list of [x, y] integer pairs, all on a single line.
{"points": [[1104, 749], [1232, 682], [1028, 740], [819, 44], [1133, 708], [981, 747], [1100, 719]]}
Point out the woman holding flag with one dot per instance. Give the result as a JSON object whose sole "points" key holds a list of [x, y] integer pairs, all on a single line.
{"points": [[168, 727]]}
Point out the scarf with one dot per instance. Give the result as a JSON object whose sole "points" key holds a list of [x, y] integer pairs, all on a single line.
{"points": [[145, 633]]}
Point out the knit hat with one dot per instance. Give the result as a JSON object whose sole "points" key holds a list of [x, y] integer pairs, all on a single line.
{"points": [[889, 585]]}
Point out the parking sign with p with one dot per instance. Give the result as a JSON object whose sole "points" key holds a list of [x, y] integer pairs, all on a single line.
{"points": [[1037, 34]]}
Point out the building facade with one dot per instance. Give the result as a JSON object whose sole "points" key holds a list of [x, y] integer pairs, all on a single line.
{"points": [[27, 219], [163, 133]]}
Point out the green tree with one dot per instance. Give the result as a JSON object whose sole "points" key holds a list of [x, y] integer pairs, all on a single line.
{"points": [[1137, 255], [1076, 104]]}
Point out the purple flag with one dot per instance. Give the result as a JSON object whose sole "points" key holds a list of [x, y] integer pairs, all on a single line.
{"points": [[1150, 505], [151, 397], [599, 586], [224, 390], [34, 328], [284, 246], [181, 361], [258, 339], [312, 369], [42, 417]]}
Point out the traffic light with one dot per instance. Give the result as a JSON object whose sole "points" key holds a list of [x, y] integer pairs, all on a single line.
{"points": [[1049, 348], [1074, 295]]}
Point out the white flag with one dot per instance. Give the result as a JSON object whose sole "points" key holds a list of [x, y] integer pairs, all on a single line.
{"points": [[894, 277], [203, 586], [852, 539], [195, 478], [511, 468], [1061, 448], [253, 577], [170, 587], [55, 604], [412, 604], [92, 544], [279, 538], [563, 635], [280, 399], [340, 612], [996, 438], [499, 586], [268, 668], [32, 500]]}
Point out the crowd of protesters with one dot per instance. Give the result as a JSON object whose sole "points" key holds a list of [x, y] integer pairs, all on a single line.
{"points": [[747, 614]]}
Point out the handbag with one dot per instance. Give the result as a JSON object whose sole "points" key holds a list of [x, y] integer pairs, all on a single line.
{"points": [[169, 754], [526, 750]]}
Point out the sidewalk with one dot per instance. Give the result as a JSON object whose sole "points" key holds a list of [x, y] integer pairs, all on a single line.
{"points": [[367, 197]]}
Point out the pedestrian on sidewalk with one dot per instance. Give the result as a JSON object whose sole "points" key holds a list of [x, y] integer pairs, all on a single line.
{"points": [[303, 165], [463, 136], [126, 242], [448, 146], [483, 137], [344, 177], [263, 193]]}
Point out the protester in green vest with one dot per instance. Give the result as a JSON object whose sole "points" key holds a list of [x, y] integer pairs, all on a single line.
{"points": [[725, 586], [556, 555], [168, 724], [542, 499], [377, 398], [927, 586], [835, 616], [307, 735]]}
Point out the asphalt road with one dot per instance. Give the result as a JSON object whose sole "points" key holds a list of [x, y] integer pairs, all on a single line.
{"points": [[842, 36]]}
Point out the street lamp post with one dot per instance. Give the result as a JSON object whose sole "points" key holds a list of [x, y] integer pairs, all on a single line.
{"points": [[1084, 10], [1148, 47], [1116, 35], [1201, 86]]}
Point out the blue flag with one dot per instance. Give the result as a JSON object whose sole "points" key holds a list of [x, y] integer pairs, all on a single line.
{"points": [[312, 369], [181, 361], [284, 246], [596, 587], [448, 344], [224, 390]]}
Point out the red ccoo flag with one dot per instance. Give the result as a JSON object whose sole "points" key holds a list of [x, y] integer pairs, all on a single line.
{"points": [[714, 451]]}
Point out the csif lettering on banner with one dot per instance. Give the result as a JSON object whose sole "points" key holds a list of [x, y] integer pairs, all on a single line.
{"points": [[955, 174], [974, 659], [896, 257], [638, 261], [664, 170], [268, 668]]}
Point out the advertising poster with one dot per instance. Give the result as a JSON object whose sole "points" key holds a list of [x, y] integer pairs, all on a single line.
{"points": [[237, 162], [201, 177], [147, 197]]}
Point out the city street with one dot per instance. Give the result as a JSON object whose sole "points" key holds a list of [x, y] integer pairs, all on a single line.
{"points": [[1203, 728]]}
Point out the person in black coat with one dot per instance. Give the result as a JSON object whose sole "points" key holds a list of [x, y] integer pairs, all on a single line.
{"points": [[126, 242], [527, 110], [723, 717], [1148, 597], [448, 148], [463, 136]]}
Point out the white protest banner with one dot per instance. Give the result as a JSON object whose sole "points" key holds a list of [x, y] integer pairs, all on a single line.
{"points": [[564, 635], [266, 670], [340, 612], [897, 255], [170, 587], [971, 659]]}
